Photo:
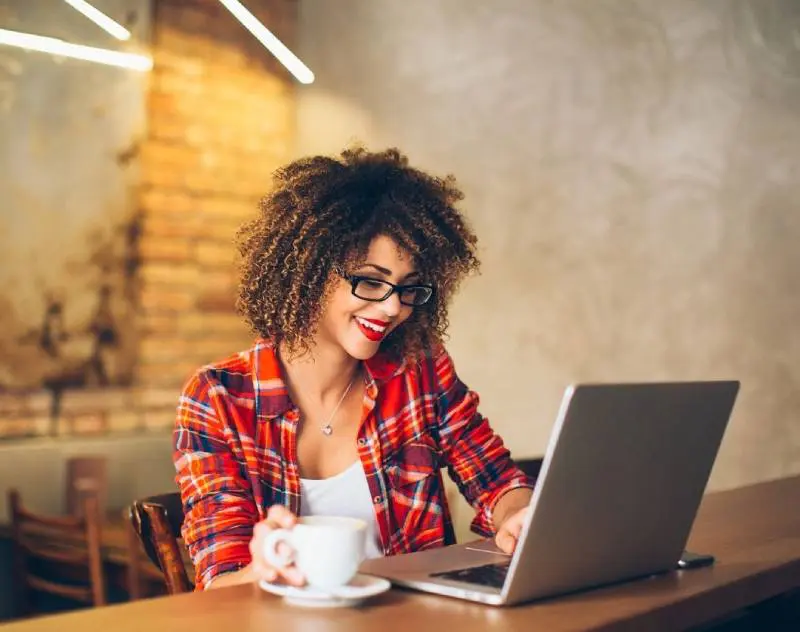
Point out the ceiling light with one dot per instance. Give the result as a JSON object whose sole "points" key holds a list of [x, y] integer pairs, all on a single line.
{"points": [[76, 51], [100, 18], [293, 64]]}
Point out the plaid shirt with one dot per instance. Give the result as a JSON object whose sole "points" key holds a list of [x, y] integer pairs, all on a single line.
{"points": [[236, 454]]}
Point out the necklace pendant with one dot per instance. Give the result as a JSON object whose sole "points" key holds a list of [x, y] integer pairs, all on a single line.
{"points": [[327, 430]]}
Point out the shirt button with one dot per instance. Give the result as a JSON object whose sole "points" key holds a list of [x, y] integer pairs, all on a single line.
{"points": [[362, 442], [377, 499]]}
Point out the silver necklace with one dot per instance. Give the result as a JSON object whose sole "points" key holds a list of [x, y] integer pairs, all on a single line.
{"points": [[326, 427]]}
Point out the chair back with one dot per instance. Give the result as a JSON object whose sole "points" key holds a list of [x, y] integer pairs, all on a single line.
{"points": [[530, 467], [87, 475], [57, 555], [157, 521]]}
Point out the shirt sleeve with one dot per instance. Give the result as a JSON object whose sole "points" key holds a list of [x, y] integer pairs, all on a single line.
{"points": [[477, 460], [219, 509]]}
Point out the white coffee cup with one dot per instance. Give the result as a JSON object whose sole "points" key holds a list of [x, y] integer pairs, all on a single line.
{"points": [[326, 549]]}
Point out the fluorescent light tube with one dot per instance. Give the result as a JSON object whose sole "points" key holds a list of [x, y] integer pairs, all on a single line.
{"points": [[76, 51], [101, 19], [293, 64]]}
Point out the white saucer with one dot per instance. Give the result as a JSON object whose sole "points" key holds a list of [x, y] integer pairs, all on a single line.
{"points": [[360, 588]]}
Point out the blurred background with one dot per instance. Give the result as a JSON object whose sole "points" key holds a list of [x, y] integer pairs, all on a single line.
{"points": [[632, 169]]}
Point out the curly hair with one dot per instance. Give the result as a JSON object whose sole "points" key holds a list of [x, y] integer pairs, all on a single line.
{"points": [[318, 223]]}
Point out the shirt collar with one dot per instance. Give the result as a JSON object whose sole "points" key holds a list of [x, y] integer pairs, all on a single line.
{"points": [[271, 394]]}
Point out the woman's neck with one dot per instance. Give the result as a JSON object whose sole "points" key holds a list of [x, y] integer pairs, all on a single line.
{"points": [[320, 374]]}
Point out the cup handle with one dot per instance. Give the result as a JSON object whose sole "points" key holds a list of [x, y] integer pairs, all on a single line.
{"points": [[274, 538]]}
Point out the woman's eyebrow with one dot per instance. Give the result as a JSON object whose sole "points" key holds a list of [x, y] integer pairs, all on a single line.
{"points": [[386, 271], [382, 270]]}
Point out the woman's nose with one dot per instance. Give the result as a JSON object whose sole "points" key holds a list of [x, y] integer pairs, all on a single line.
{"points": [[392, 306]]}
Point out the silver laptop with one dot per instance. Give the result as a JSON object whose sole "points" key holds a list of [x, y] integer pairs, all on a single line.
{"points": [[622, 479]]}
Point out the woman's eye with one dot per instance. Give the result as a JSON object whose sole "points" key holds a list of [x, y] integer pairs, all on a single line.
{"points": [[372, 284]]}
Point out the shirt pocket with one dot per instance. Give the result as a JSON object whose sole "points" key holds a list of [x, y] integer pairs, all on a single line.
{"points": [[416, 500], [412, 464]]}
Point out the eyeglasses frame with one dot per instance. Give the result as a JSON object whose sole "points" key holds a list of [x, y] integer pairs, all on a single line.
{"points": [[355, 279]]}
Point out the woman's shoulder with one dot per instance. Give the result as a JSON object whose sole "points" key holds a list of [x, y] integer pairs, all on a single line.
{"points": [[233, 373], [431, 365]]}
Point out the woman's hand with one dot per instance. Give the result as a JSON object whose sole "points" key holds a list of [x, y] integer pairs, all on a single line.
{"points": [[278, 517], [508, 532]]}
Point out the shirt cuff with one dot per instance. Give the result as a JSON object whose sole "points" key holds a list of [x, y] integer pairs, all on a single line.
{"points": [[483, 524], [218, 570]]}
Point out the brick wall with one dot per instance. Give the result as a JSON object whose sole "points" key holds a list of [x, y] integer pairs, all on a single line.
{"points": [[220, 119]]}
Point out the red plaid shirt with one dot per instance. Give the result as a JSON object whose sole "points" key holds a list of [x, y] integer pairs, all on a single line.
{"points": [[236, 454]]}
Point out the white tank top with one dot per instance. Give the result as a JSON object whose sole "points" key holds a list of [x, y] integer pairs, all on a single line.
{"points": [[346, 494]]}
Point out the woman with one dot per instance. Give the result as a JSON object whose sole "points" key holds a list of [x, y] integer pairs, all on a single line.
{"points": [[347, 404]]}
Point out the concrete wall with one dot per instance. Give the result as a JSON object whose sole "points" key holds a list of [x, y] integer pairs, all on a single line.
{"points": [[137, 466], [631, 168], [120, 196], [68, 178]]}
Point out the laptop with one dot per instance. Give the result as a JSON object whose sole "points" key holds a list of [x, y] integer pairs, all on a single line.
{"points": [[621, 481]]}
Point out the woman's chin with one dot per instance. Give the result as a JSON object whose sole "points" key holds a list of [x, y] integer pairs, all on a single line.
{"points": [[363, 351]]}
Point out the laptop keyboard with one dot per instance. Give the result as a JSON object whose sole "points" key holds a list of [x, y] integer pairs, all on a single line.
{"points": [[493, 575]]}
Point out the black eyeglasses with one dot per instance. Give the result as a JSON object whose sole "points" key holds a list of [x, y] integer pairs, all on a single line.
{"points": [[375, 290]]}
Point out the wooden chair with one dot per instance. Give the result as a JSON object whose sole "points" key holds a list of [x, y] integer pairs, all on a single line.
{"points": [[64, 549], [157, 521]]}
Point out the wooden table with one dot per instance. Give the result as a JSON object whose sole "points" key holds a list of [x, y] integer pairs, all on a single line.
{"points": [[754, 532]]}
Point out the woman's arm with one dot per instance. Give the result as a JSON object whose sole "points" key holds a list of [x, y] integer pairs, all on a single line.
{"points": [[219, 509], [509, 504], [244, 575], [476, 457], [508, 516], [278, 517]]}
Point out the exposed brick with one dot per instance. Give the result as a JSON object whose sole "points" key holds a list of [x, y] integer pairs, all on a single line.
{"points": [[241, 209], [17, 427], [125, 421], [11, 404], [161, 249], [155, 273], [42, 425], [160, 324], [170, 226], [85, 424], [217, 301], [157, 201], [161, 298], [80, 401], [169, 154], [165, 348], [220, 325], [215, 253], [159, 419], [176, 62], [25, 414], [39, 403], [221, 119], [166, 373], [163, 398]]}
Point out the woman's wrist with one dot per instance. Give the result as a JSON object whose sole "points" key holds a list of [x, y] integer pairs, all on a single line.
{"points": [[244, 575], [510, 503]]}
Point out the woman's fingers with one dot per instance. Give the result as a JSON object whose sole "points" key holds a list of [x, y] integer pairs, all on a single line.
{"points": [[278, 517], [505, 541], [292, 575], [510, 530]]}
